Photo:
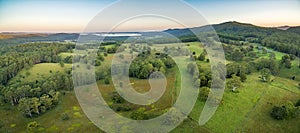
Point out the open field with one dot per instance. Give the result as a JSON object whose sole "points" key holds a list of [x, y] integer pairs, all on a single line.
{"points": [[249, 110], [40, 70], [50, 121]]}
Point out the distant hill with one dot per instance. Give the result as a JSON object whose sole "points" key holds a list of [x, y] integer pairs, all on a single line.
{"points": [[243, 29], [229, 28], [283, 27], [16, 40], [8, 35]]}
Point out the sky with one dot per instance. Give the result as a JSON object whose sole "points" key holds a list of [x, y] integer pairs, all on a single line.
{"points": [[75, 15]]}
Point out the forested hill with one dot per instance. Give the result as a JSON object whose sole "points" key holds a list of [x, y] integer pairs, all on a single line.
{"points": [[235, 33], [38, 38], [235, 29]]}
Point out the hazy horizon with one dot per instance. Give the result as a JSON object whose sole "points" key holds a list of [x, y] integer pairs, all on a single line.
{"points": [[72, 16], [49, 32]]}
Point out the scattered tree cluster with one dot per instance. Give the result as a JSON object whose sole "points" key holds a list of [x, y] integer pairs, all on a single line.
{"points": [[287, 111], [145, 64]]}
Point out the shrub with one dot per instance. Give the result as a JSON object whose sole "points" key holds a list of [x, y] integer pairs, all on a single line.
{"points": [[106, 81], [203, 94], [118, 107], [279, 113], [139, 114], [298, 103], [64, 116], [32, 126], [116, 98], [1, 124]]}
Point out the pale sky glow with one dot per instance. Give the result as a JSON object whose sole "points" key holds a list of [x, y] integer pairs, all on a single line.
{"points": [[74, 15]]}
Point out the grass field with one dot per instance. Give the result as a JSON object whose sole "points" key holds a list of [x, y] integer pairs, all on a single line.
{"points": [[142, 86], [40, 70], [65, 54], [51, 120]]}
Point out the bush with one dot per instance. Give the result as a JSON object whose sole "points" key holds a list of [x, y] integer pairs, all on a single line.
{"points": [[64, 116], [116, 98], [203, 94], [32, 126], [106, 81], [279, 113], [1, 100], [118, 107], [298, 103], [139, 114], [1, 124]]}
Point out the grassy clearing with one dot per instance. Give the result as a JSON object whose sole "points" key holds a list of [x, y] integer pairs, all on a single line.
{"points": [[39, 70], [139, 85], [294, 71], [248, 111], [259, 119], [51, 120], [65, 54], [196, 47]]}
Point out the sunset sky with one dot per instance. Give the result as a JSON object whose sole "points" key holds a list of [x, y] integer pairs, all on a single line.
{"points": [[74, 15]]}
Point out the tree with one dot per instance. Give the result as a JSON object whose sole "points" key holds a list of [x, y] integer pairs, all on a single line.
{"points": [[272, 56], [265, 75], [204, 92], [201, 57], [116, 98], [286, 60], [237, 55], [279, 113], [287, 111], [145, 71], [106, 81], [25, 106], [298, 103], [32, 126], [139, 114], [65, 116], [234, 83], [55, 96], [62, 64], [288, 63], [35, 104], [291, 110], [46, 101], [243, 76], [97, 63]]}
